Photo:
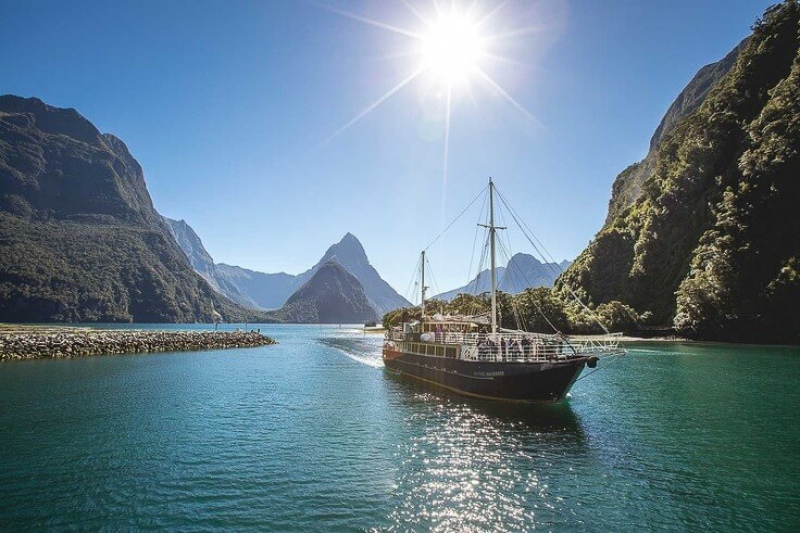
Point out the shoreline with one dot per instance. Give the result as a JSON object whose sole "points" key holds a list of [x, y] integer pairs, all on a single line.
{"points": [[34, 342], [644, 340]]}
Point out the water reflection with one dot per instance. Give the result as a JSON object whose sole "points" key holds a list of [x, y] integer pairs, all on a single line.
{"points": [[477, 465], [552, 417]]}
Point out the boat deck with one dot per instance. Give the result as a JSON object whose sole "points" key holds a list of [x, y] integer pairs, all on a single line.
{"points": [[510, 347]]}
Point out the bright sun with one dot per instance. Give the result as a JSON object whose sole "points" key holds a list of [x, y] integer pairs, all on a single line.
{"points": [[454, 48], [451, 48]]}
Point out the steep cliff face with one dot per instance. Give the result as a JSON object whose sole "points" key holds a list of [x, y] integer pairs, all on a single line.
{"points": [[203, 263], [332, 295], [712, 242], [193, 248], [79, 237], [628, 186]]}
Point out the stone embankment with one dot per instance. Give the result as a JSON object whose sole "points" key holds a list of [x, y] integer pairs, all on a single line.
{"points": [[29, 344]]}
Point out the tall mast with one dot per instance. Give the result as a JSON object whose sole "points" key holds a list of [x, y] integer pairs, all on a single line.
{"points": [[492, 231], [424, 288]]}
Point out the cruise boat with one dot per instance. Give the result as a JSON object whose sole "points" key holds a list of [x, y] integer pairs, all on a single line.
{"points": [[473, 356]]}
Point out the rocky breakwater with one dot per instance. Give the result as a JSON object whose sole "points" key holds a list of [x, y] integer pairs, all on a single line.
{"points": [[35, 345]]}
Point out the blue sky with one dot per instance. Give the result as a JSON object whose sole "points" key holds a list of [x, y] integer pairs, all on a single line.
{"points": [[237, 112]]}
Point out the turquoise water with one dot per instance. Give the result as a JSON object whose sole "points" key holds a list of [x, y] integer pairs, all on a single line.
{"points": [[313, 435]]}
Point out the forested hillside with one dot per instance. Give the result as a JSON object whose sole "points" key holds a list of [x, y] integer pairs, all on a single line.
{"points": [[80, 240], [711, 243]]}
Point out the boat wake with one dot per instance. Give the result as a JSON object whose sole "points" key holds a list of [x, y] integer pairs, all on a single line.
{"points": [[358, 347]]}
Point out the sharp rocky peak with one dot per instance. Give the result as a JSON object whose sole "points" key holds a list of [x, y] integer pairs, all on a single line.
{"points": [[349, 248]]}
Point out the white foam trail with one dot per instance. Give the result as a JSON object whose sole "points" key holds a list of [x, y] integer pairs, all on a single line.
{"points": [[374, 363], [362, 350]]}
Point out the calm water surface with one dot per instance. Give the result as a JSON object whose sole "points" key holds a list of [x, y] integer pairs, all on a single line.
{"points": [[313, 435]]}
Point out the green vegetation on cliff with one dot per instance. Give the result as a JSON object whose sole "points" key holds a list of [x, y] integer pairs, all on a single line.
{"points": [[80, 240], [711, 243], [538, 309]]}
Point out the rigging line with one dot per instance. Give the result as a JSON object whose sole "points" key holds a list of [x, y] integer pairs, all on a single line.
{"points": [[535, 304], [616, 358], [415, 295], [511, 269], [476, 282], [475, 241], [454, 220], [544, 255], [429, 270], [408, 293], [501, 216], [524, 227], [505, 254], [472, 287], [518, 317], [505, 257], [593, 314]]}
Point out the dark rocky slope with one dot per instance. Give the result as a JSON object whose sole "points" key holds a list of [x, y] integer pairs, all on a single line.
{"points": [[332, 295], [80, 240], [350, 254]]}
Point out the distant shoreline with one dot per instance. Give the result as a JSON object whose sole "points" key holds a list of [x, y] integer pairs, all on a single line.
{"points": [[645, 340]]}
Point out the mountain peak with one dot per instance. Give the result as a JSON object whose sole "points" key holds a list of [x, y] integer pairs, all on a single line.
{"points": [[271, 291], [346, 252], [350, 243], [523, 258], [350, 254], [523, 271], [331, 295]]}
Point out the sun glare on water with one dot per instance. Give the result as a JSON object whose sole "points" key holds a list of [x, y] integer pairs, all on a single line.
{"points": [[451, 48]]}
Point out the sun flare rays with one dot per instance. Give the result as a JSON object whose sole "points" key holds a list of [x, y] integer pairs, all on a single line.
{"points": [[454, 48]]}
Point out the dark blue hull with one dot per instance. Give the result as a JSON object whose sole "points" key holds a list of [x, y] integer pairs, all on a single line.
{"points": [[534, 382]]}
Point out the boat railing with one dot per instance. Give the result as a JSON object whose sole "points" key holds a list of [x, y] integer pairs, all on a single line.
{"points": [[517, 352], [513, 346], [608, 344]]}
